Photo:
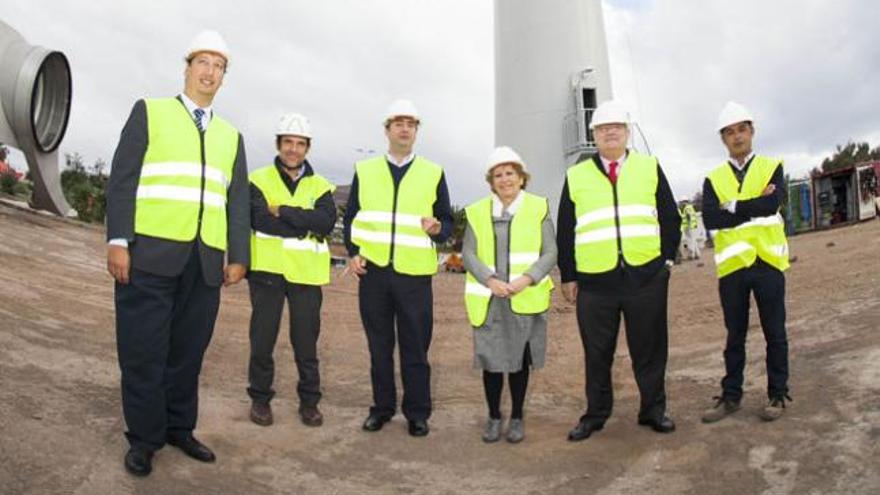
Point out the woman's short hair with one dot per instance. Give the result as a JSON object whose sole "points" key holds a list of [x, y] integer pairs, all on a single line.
{"points": [[519, 171]]}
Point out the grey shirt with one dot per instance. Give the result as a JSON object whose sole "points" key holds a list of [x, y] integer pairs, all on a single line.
{"points": [[483, 273]]}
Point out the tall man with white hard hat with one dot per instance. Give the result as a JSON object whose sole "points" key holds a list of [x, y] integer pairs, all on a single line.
{"points": [[292, 213], [741, 201], [178, 229], [618, 233], [398, 210]]}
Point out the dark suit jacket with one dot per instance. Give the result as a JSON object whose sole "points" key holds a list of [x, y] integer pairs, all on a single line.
{"points": [[160, 256]]}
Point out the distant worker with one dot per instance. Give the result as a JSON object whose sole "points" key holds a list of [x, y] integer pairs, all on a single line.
{"points": [[398, 210], [617, 236], [509, 250], [741, 201], [177, 207], [292, 212], [690, 229]]}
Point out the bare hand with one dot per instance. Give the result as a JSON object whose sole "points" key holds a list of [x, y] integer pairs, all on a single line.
{"points": [[273, 210], [233, 273], [118, 263], [770, 189], [519, 284], [570, 291], [498, 288], [431, 225], [357, 266]]}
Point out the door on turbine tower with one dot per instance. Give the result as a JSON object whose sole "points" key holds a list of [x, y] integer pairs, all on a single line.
{"points": [[579, 140]]}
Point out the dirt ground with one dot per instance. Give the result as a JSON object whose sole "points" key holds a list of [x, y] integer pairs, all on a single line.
{"points": [[61, 429]]}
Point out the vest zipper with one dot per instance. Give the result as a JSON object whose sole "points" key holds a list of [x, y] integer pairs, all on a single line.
{"points": [[202, 184], [393, 217], [617, 223]]}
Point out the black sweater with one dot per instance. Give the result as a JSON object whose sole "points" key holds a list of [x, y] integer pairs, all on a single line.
{"points": [[292, 221], [442, 208], [633, 276], [714, 217]]}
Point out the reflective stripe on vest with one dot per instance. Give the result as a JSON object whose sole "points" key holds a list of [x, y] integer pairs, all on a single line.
{"points": [[301, 261], [385, 209], [615, 219], [739, 247], [177, 180], [524, 250]]}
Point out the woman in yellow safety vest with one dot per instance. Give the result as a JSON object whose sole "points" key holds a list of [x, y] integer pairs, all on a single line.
{"points": [[509, 249]]}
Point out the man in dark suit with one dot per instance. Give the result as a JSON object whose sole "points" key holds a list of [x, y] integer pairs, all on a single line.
{"points": [[178, 228], [618, 232]]}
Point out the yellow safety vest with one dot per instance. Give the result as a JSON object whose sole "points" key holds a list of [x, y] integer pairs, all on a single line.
{"points": [[301, 260], [615, 220], [184, 174], [739, 247], [524, 250], [688, 217], [390, 215]]}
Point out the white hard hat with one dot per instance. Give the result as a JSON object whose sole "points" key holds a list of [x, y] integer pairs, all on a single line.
{"points": [[503, 154], [609, 112], [401, 108], [294, 124], [208, 41], [733, 113]]}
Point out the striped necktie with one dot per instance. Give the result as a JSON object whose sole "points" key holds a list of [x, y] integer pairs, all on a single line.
{"points": [[199, 114]]}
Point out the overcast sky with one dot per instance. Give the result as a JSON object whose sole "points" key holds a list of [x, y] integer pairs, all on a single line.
{"points": [[809, 70]]}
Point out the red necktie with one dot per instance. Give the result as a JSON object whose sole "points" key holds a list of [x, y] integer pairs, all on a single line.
{"points": [[612, 172]]}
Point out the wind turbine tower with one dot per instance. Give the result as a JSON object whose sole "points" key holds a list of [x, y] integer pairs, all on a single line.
{"points": [[551, 71]]}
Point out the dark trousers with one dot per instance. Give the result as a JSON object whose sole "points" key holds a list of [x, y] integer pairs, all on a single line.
{"points": [[386, 298], [304, 308], [163, 327], [768, 285], [644, 313]]}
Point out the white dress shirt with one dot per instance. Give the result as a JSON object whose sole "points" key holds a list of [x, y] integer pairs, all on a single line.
{"points": [[607, 163], [408, 158]]}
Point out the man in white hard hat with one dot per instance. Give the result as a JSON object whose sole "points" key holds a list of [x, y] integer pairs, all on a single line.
{"points": [[741, 201], [178, 229], [398, 210], [618, 233], [292, 213]]}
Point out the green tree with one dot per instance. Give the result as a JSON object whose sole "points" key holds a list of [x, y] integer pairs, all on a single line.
{"points": [[85, 188], [459, 223], [848, 155]]}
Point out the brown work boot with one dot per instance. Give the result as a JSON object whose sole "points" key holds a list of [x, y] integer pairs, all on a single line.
{"points": [[311, 416], [722, 408], [774, 409], [261, 413]]}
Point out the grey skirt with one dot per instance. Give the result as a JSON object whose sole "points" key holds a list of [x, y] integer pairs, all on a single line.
{"points": [[500, 343]]}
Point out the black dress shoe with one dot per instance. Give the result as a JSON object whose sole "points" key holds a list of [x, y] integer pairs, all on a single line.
{"points": [[664, 425], [418, 428], [139, 462], [375, 422], [584, 429], [193, 448]]}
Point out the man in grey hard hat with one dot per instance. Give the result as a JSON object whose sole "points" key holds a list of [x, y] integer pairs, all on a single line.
{"points": [[178, 227], [292, 212], [741, 201]]}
